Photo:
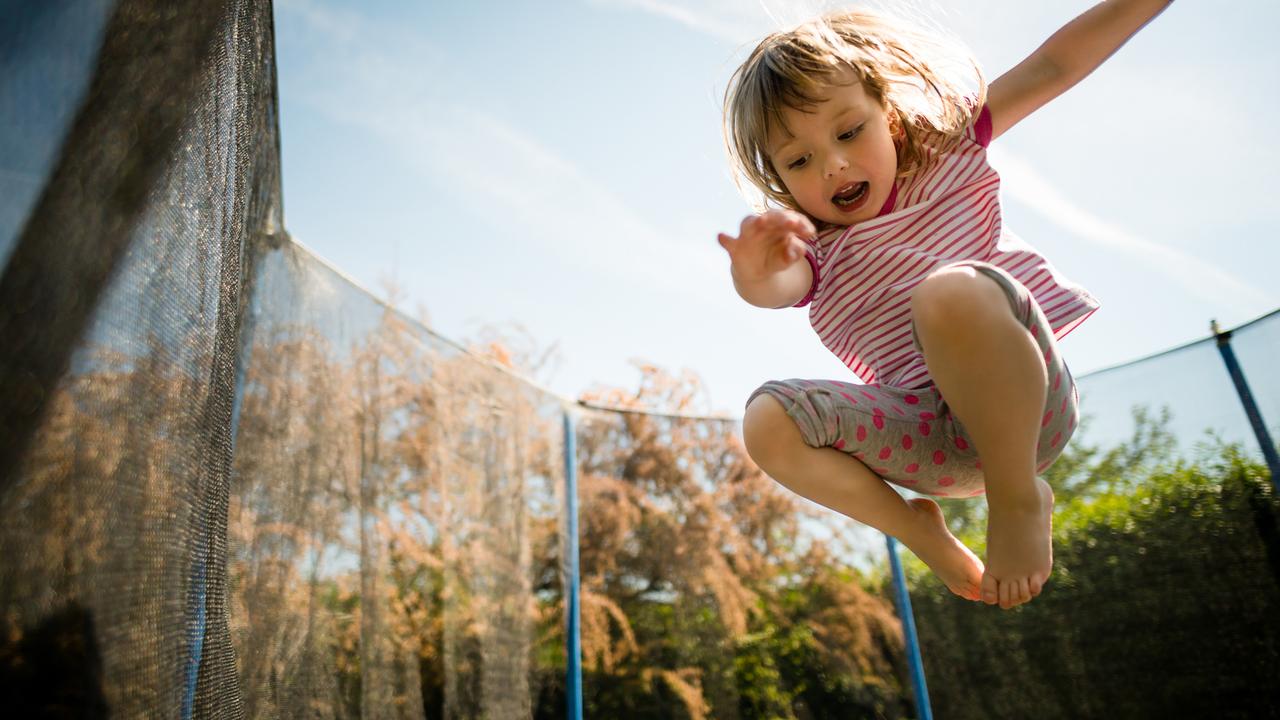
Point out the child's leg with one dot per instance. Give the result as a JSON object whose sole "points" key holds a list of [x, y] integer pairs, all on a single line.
{"points": [[991, 372], [836, 480]]}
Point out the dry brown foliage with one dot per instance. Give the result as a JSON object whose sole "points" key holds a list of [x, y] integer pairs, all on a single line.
{"points": [[395, 531], [673, 511]]}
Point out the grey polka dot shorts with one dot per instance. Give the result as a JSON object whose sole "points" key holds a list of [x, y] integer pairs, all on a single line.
{"points": [[909, 437]]}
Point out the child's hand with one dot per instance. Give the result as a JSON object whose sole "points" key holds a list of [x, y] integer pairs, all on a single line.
{"points": [[767, 243]]}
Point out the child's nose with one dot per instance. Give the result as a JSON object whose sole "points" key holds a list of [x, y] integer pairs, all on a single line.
{"points": [[836, 164]]}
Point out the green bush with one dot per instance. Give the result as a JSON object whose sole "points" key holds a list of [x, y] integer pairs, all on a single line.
{"points": [[1164, 602]]}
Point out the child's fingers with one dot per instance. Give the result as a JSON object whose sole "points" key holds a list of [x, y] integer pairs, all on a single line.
{"points": [[790, 220], [773, 239], [795, 248], [804, 226], [809, 231]]}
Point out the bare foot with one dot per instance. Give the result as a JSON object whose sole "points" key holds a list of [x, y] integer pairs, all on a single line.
{"points": [[1019, 549], [947, 557]]}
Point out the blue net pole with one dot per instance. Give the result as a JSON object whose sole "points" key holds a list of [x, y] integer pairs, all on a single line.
{"points": [[197, 618], [1250, 406], [573, 637], [923, 709]]}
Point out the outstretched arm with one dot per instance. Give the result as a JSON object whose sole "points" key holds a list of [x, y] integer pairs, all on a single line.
{"points": [[1066, 58]]}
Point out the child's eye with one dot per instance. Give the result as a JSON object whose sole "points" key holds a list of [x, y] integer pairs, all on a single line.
{"points": [[853, 133], [798, 163]]}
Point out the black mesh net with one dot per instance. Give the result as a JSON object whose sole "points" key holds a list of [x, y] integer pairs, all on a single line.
{"points": [[708, 591], [233, 484], [1190, 390], [395, 515], [1166, 578], [138, 198]]}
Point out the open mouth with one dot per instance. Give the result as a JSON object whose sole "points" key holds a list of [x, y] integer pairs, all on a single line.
{"points": [[851, 196]]}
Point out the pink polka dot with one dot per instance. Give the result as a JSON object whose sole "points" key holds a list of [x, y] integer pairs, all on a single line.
{"points": [[924, 429], [1063, 409], [867, 395], [1072, 424], [886, 452], [913, 467], [960, 443], [978, 464], [860, 455], [1035, 331], [849, 397], [900, 411], [911, 400], [1057, 438], [839, 444], [946, 481], [878, 421], [877, 411], [939, 457], [1057, 381], [927, 416], [1047, 417], [906, 442], [862, 433], [1048, 357]]}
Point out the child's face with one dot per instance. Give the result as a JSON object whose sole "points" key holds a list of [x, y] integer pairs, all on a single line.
{"points": [[837, 159]]}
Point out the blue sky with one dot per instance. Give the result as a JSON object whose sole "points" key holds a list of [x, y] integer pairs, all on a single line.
{"points": [[559, 167]]}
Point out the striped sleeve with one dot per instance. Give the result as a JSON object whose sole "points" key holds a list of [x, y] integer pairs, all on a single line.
{"points": [[814, 253], [813, 286]]}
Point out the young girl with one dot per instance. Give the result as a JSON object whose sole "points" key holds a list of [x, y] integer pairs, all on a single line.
{"points": [[889, 230]]}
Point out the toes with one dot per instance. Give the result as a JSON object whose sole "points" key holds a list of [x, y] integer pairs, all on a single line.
{"points": [[1035, 586], [971, 592], [1024, 591], [990, 590], [1006, 594], [968, 591]]}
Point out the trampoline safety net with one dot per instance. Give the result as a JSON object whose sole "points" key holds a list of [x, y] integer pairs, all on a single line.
{"points": [[233, 484]]}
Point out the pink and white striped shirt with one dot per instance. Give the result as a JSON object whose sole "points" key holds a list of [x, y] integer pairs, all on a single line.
{"points": [[863, 275]]}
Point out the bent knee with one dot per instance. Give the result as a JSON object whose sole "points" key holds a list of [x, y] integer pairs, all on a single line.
{"points": [[767, 430], [953, 294]]}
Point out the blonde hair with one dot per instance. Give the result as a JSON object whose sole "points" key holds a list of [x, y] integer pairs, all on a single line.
{"points": [[909, 71]]}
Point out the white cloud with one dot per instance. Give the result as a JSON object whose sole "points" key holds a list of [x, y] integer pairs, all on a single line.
{"points": [[727, 27], [1195, 275], [576, 220]]}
